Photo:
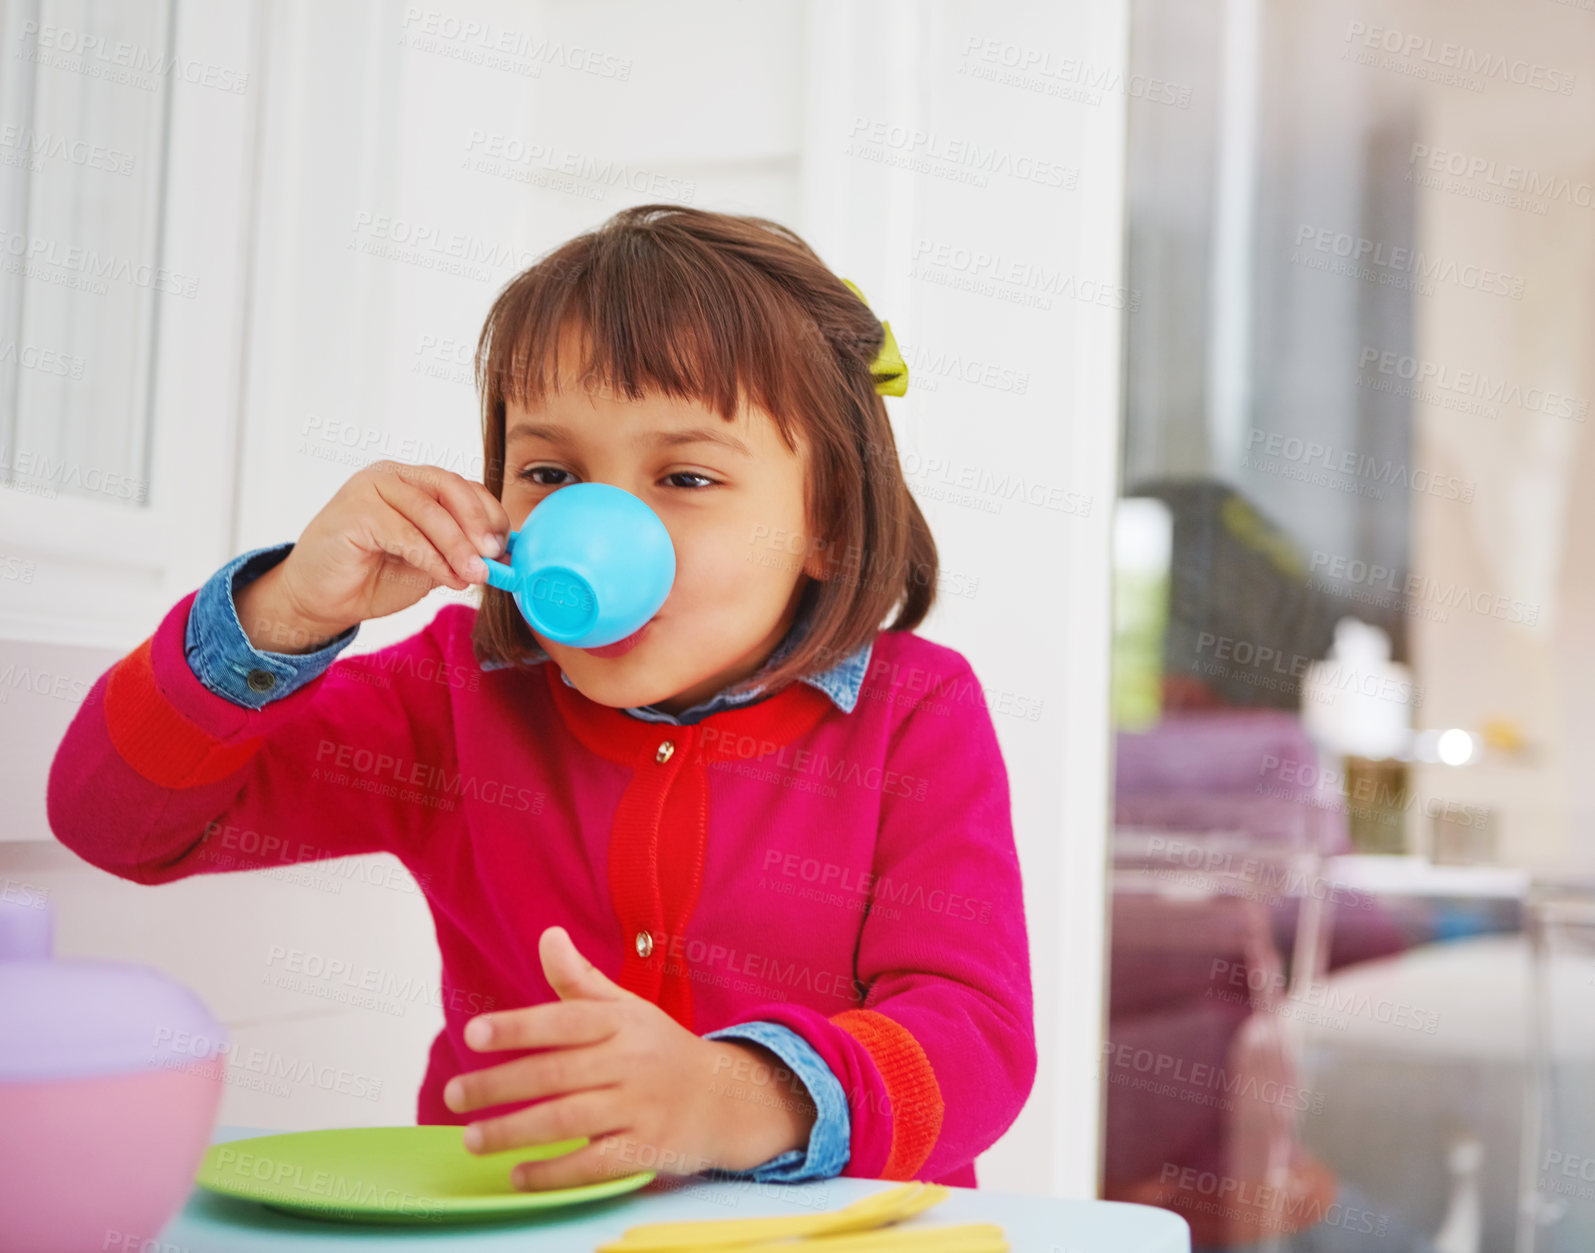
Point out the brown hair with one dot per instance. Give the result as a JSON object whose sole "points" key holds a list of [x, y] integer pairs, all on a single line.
{"points": [[724, 309]]}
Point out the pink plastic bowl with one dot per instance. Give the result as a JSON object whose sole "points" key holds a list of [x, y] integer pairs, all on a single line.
{"points": [[111, 1078]]}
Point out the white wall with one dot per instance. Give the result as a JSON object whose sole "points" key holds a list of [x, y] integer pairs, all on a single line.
{"points": [[759, 108], [1018, 488]]}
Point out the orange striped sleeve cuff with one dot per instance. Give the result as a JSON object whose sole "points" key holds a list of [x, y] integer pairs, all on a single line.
{"points": [[910, 1084]]}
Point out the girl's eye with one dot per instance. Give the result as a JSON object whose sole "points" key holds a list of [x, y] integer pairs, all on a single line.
{"points": [[531, 475], [692, 474]]}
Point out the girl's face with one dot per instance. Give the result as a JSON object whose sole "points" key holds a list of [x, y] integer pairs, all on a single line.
{"points": [[731, 496]]}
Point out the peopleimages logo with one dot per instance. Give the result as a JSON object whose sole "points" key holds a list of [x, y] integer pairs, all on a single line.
{"points": [[118, 61], [1320, 993], [32, 143], [1371, 576], [1385, 258], [1424, 375], [33, 470], [509, 155], [1249, 1200], [1065, 78], [1232, 656], [503, 48], [1187, 1080], [928, 365], [1019, 280], [1443, 54], [1504, 175], [1310, 452], [954, 152], [24, 253], [419, 781]]}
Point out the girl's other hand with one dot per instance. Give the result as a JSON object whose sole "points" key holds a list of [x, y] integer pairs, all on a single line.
{"points": [[390, 535], [647, 1092]]}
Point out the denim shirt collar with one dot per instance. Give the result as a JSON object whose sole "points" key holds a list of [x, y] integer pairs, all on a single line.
{"points": [[842, 682]]}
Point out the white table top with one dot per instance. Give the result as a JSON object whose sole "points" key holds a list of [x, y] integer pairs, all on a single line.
{"points": [[1032, 1224], [1390, 875]]}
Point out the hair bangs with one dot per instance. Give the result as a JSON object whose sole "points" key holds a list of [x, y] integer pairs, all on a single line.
{"points": [[634, 318]]}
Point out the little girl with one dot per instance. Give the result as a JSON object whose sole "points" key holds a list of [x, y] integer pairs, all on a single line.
{"points": [[738, 893]]}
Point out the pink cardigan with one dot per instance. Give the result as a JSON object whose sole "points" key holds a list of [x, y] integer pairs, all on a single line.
{"points": [[851, 876]]}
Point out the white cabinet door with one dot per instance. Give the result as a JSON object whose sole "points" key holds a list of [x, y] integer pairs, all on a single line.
{"points": [[126, 152]]}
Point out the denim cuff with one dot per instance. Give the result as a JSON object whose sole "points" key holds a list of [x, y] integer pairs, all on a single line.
{"points": [[220, 654], [830, 1142]]}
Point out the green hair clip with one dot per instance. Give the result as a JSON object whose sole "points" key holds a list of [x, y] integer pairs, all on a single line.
{"points": [[888, 369]]}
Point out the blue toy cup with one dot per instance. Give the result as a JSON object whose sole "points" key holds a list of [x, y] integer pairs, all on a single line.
{"points": [[590, 565]]}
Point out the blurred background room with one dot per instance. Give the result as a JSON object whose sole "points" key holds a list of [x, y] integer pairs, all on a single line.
{"points": [[1252, 345], [1355, 585]]}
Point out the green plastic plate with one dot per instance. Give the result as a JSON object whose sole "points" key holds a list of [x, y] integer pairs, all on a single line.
{"points": [[413, 1175]]}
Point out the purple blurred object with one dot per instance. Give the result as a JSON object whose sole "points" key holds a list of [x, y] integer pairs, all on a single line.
{"points": [[111, 1077], [1250, 771], [1220, 819]]}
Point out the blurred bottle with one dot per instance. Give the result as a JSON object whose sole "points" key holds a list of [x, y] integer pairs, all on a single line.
{"points": [[1357, 704]]}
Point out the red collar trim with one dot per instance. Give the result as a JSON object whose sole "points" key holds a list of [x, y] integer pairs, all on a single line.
{"points": [[745, 732]]}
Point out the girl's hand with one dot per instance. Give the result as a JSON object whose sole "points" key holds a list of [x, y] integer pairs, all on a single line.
{"points": [[616, 1068], [390, 535]]}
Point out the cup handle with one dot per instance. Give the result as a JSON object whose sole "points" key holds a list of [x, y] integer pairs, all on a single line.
{"points": [[500, 575]]}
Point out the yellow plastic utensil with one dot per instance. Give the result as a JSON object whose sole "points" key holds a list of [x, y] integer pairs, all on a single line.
{"points": [[964, 1238], [829, 1230]]}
